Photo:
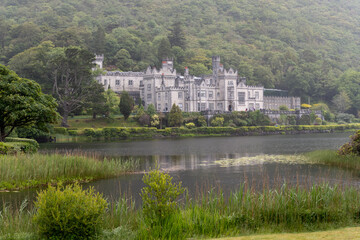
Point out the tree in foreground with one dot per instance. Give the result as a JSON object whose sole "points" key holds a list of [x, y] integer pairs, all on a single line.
{"points": [[175, 116], [23, 104], [126, 104]]}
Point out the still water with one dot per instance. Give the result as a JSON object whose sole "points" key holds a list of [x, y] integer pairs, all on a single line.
{"points": [[195, 162]]}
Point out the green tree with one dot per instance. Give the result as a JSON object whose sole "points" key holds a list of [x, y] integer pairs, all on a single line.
{"points": [[175, 116], [72, 78], [99, 40], [342, 102], [151, 110], [164, 49], [126, 104], [123, 60], [177, 36], [23, 104], [97, 101], [112, 101]]}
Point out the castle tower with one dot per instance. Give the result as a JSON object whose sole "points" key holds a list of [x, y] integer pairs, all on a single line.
{"points": [[215, 64], [99, 60], [168, 63]]}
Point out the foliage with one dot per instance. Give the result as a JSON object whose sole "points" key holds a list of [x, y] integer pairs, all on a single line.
{"points": [[69, 212], [304, 120], [32, 170], [352, 147], [306, 106], [112, 101], [190, 125], [201, 121], [318, 121], [72, 79], [34, 133], [151, 110], [217, 122], [126, 104], [159, 196], [23, 145], [283, 108], [345, 117], [175, 116], [23, 104], [154, 120], [342, 102], [144, 120]]}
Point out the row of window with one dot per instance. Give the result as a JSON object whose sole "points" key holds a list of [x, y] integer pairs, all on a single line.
{"points": [[117, 82]]}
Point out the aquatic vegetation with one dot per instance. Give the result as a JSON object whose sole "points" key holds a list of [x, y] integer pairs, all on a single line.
{"points": [[23, 171], [261, 159]]}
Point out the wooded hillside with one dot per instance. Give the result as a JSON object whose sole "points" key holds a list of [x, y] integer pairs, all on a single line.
{"points": [[299, 45]]}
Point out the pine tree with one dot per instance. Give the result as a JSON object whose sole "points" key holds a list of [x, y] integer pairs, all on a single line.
{"points": [[164, 49], [175, 116], [177, 36], [126, 104], [99, 40]]}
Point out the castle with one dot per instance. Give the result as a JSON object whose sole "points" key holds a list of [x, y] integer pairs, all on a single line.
{"points": [[221, 91]]}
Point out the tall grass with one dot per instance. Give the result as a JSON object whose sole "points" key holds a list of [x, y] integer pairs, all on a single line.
{"points": [[246, 211], [331, 158], [21, 171]]}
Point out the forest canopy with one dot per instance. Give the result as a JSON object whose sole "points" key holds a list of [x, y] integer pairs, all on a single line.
{"points": [[306, 47]]}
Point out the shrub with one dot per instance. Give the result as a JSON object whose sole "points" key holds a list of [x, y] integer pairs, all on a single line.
{"points": [[60, 130], [23, 144], [175, 116], [159, 196], [217, 122], [6, 148], [154, 120], [144, 120], [344, 117], [318, 121], [201, 121], [352, 147], [190, 125], [69, 213], [304, 120], [283, 108]]}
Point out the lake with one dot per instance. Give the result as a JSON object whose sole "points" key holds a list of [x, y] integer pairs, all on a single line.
{"points": [[212, 162]]}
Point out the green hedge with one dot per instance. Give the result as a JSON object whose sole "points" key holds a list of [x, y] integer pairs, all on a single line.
{"points": [[146, 132], [15, 145]]}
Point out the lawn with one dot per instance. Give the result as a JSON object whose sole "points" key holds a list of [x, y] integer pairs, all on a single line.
{"points": [[339, 234]]}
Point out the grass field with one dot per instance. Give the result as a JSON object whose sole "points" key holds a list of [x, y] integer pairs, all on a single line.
{"points": [[339, 234], [100, 122]]}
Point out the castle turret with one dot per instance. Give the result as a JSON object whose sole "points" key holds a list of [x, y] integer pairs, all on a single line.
{"points": [[99, 59], [168, 63], [215, 64]]}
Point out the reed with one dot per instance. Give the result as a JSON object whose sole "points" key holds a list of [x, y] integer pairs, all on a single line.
{"points": [[23, 171], [331, 158]]}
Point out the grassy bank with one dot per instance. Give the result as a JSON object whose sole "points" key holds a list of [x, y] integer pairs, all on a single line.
{"points": [[339, 234], [331, 158], [147, 132], [245, 212], [23, 171]]}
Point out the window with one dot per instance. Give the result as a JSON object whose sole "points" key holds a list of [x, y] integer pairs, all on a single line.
{"points": [[231, 83], [166, 106], [131, 83], [149, 87], [241, 97], [220, 106], [166, 95], [203, 106], [218, 94], [117, 82], [180, 95], [148, 97], [231, 94], [256, 95], [249, 96], [211, 94], [203, 93], [257, 106], [198, 93], [198, 105], [105, 81], [180, 106], [251, 106], [211, 106], [159, 107], [159, 96]]}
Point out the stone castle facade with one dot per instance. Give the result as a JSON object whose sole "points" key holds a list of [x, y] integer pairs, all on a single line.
{"points": [[221, 91]]}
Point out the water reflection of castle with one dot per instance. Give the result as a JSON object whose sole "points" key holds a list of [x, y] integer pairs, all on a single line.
{"points": [[222, 91]]}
